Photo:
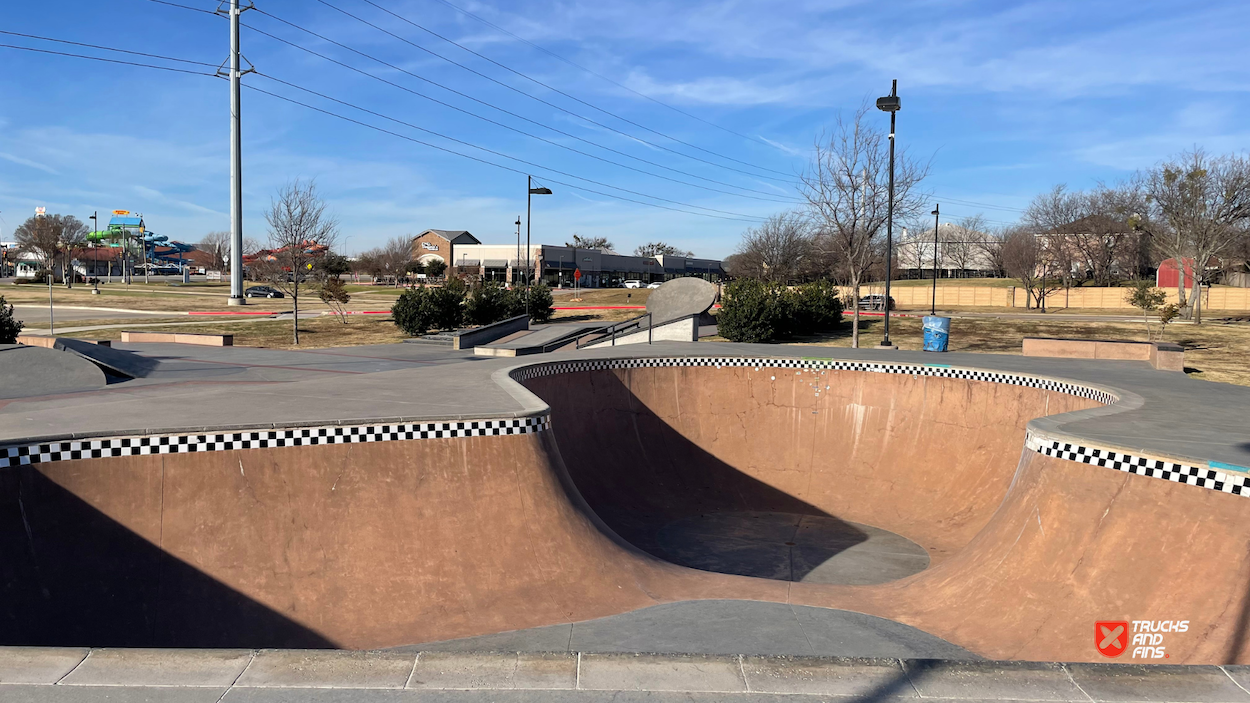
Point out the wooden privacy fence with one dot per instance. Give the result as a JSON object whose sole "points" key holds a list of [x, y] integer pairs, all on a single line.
{"points": [[1219, 298]]}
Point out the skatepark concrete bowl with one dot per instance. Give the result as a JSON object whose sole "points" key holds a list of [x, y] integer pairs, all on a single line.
{"points": [[950, 500]]}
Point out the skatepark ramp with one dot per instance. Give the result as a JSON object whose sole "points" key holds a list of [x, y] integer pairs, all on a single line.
{"points": [[936, 497]]}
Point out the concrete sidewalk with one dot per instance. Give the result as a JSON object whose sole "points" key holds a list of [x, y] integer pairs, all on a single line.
{"points": [[54, 674]]}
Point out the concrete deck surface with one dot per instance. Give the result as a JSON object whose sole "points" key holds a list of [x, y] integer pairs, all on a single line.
{"points": [[215, 676], [1165, 414]]}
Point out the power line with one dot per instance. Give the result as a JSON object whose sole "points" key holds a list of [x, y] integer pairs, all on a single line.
{"points": [[557, 90], [521, 92], [94, 46], [574, 64], [116, 61], [774, 197], [726, 215], [499, 153], [491, 163], [186, 7]]}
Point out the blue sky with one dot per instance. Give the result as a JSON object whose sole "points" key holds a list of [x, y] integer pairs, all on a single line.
{"points": [[1007, 98]]}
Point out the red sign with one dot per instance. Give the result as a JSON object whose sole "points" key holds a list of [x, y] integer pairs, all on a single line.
{"points": [[577, 274], [1111, 637]]}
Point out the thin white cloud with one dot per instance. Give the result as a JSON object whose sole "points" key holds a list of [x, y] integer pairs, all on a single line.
{"points": [[27, 162]]}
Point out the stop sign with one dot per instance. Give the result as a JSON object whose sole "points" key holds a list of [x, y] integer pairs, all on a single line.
{"points": [[577, 274]]}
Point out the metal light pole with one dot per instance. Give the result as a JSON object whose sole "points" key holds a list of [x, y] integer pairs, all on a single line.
{"points": [[531, 191], [890, 104], [236, 157], [936, 212], [518, 249]]}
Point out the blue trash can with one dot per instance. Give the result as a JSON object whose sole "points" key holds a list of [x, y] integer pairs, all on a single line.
{"points": [[937, 332]]}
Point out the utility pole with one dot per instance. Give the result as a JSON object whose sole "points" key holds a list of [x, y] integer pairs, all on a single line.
{"points": [[236, 155]]}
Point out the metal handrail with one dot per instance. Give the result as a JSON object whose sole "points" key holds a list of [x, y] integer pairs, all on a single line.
{"points": [[615, 330]]}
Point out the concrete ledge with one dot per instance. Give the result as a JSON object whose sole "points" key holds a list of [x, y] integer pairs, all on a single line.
{"points": [[661, 672], [486, 334], [315, 668], [43, 665], [205, 340], [34, 340], [28, 672], [1164, 356], [555, 671], [160, 667]]}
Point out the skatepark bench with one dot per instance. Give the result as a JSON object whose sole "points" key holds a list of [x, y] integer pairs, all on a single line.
{"points": [[206, 340], [34, 340], [1164, 356]]}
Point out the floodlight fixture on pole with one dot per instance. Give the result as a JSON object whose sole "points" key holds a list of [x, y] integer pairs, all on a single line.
{"points": [[517, 261], [890, 103], [937, 211]]}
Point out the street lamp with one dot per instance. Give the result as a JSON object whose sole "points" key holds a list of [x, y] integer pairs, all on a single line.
{"points": [[529, 197], [890, 104], [517, 260], [936, 213]]}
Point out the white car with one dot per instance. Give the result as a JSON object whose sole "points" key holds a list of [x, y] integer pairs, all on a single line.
{"points": [[654, 285], [633, 284]]}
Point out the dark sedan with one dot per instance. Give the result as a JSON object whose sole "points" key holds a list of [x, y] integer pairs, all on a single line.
{"points": [[263, 292]]}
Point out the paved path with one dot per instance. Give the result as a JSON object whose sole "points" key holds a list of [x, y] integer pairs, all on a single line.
{"points": [[35, 314], [45, 675]]}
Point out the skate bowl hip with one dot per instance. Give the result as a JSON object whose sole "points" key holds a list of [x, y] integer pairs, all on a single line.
{"points": [[932, 496]]}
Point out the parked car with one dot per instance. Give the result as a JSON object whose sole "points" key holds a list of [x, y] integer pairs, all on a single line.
{"points": [[263, 292], [874, 302], [654, 285], [633, 284]]}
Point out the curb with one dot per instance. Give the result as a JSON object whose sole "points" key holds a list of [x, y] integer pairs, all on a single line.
{"points": [[866, 679]]}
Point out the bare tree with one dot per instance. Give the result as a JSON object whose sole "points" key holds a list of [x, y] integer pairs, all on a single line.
{"points": [[217, 246], [393, 257], [779, 250], [660, 249], [990, 246], [963, 243], [299, 232], [1202, 207], [1030, 258], [1092, 230], [581, 242], [46, 236], [846, 187]]}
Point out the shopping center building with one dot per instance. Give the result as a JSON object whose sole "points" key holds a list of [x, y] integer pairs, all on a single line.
{"points": [[554, 265]]}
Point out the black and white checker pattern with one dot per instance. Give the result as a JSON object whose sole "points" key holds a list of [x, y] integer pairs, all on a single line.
{"points": [[1201, 476], [24, 454], [539, 370]]}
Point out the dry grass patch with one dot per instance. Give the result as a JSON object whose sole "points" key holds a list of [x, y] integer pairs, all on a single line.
{"points": [[1213, 351], [314, 333]]}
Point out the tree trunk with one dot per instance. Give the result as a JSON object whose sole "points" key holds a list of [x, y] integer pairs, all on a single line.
{"points": [[1180, 287], [1195, 295], [295, 302], [855, 315]]}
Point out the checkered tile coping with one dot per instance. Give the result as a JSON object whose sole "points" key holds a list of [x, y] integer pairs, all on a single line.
{"points": [[1202, 476], [19, 455], [540, 370], [1205, 477]]}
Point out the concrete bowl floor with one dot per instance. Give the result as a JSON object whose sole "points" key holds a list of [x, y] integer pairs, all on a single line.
{"points": [[790, 547]]}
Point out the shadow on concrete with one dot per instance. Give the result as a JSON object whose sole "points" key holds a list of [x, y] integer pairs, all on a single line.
{"points": [[665, 495], [71, 576]]}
